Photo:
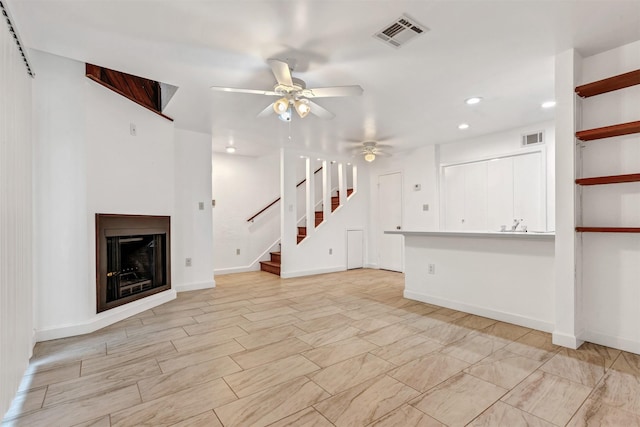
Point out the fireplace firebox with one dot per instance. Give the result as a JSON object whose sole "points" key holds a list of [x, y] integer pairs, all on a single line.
{"points": [[132, 258]]}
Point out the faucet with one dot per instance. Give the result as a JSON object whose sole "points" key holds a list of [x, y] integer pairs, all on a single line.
{"points": [[516, 223]]}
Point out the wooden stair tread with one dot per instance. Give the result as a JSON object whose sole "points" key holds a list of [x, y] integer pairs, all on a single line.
{"points": [[271, 263]]}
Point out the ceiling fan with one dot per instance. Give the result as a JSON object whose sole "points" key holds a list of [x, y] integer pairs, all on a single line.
{"points": [[371, 149], [294, 95]]}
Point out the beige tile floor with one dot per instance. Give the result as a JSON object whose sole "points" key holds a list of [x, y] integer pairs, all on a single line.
{"points": [[343, 349]]}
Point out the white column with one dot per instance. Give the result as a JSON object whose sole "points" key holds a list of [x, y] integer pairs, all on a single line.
{"points": [[568, 324]]}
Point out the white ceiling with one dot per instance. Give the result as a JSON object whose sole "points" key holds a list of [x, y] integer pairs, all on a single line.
{"points": [[500, 50]]}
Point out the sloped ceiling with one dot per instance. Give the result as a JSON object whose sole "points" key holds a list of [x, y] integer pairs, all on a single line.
{"points": [[502, 51]]}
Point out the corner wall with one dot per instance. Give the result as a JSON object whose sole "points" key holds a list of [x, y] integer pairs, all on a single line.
{"points": [[192, 233], [242, 186], [87, 162]]}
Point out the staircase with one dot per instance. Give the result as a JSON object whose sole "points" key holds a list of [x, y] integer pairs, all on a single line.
{"points": [[335, 202], [273, 265]]}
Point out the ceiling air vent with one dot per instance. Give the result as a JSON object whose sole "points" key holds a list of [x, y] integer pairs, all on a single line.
{"points": [[533, 138], [400, 31]]}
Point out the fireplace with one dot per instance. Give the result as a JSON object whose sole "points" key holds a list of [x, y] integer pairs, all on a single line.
{"points": [[132, 258]]}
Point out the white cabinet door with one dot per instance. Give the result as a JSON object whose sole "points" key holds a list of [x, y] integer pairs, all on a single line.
{"points": [[475, 196], [355, 253], [465, 188], [528, 191], [499, 193], [454, 189]]}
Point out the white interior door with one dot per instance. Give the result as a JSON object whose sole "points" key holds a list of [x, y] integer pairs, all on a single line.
{"points": [[355, 252], [391, 247]]}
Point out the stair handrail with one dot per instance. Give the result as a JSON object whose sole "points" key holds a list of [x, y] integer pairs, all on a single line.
{"points": [[278, 199]]}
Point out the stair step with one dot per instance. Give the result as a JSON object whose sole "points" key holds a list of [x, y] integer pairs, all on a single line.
{"points": [[302, 231], [276, 257], [318, 221], [319, 215], [300, 238], [270, 267]]}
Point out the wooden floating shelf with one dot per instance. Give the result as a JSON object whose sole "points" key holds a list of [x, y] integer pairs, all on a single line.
{"points": [[609, 84], [609, 131], [608, 229], [613, 179]]}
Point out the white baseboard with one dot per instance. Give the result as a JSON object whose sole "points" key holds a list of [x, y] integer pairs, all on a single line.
{"points": [[106, 318], [566, 340], [301, 273], [372, 266], [232, 270], [195, 286], [515, 319], [611, 341]]}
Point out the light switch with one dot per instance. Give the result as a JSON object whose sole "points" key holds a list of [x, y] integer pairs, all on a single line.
{"points": [[417, 187], [201, 206], [425, 207]]}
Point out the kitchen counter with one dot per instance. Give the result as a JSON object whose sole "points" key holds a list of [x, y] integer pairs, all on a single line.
{"points": [[507, 276]]}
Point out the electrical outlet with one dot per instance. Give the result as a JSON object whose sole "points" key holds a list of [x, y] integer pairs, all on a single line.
{"points": [[330, 251], [425, 207], [238, 251], [187, 262], [432, 269], [201, 206]]}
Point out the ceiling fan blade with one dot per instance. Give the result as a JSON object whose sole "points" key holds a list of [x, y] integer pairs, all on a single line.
{"points": [[383, 146], [320, 111], [327, 92], [267, 111], [251, 91], [381, 154], [281, 71]]}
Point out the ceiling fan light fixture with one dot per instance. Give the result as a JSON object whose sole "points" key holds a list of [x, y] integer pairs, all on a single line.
{"points": [[285, 116], [473, 100], [230, 149], [281, 105], [302, 107], [369, 157]]}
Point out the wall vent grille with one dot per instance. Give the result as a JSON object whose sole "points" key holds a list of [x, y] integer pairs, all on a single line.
{"points": [[533, 138], [400, 31]]}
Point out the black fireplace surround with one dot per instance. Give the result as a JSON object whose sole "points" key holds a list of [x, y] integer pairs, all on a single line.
{"points": [[133, 254]]}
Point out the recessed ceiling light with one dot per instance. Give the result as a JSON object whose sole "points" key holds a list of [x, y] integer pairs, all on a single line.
{"points": [[473, 100], [549, 104], [230, 149], [463, 126]]}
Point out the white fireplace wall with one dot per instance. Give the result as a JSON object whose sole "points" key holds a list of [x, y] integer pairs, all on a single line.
{"points": [[88, 162]]}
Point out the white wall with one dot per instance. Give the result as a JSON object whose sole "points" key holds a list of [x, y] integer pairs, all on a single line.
{"points": [[611, 262], [192, 232], [242, 186], [86, 163], [16, 253], [417, 167]]}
